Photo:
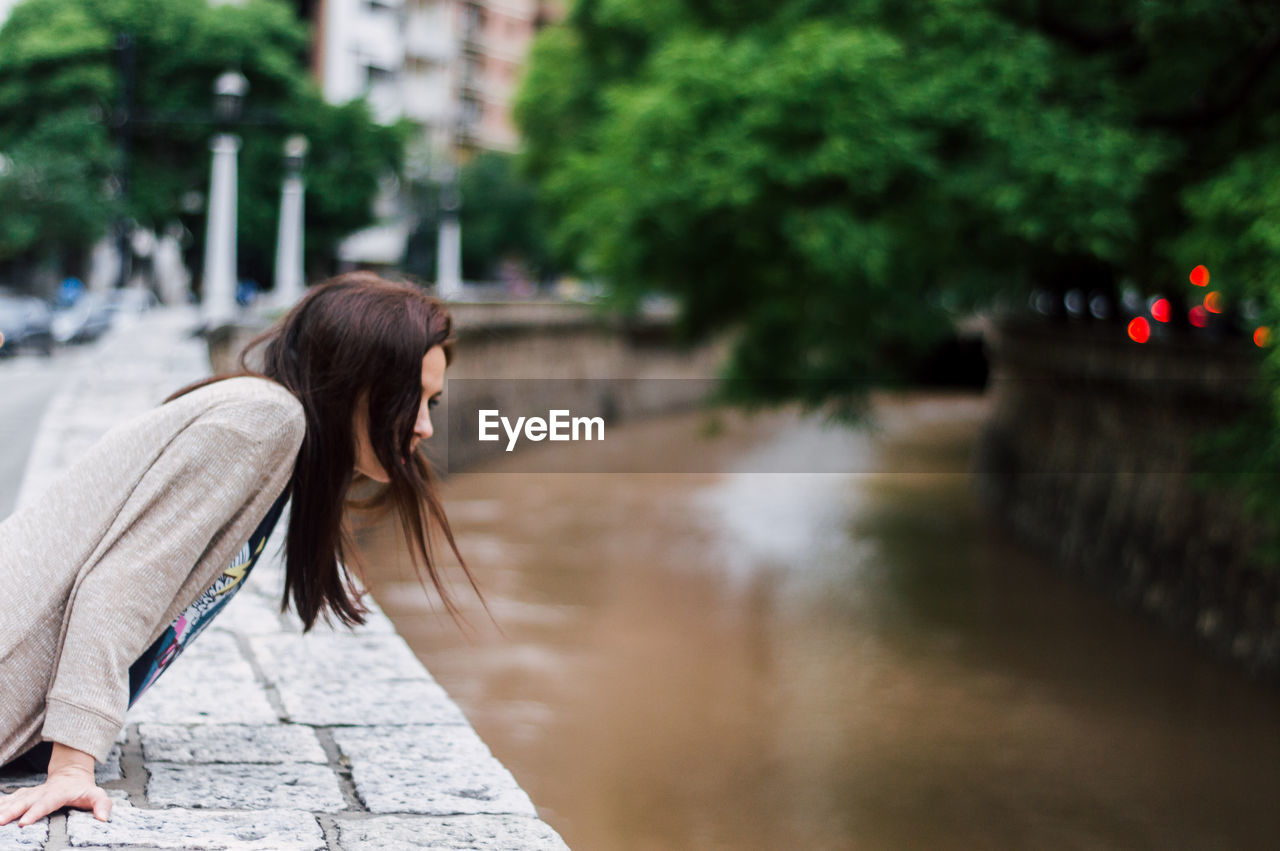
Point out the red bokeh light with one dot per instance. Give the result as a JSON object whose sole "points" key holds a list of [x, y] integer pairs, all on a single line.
{"points": [[1139, 330], [1200, 276], [1213, 302], [1198, 316], [1261, 335], [1161, 311]]}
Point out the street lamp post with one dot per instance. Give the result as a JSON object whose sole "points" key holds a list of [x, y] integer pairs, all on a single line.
{"points": [[289, 238], [123, 120], [219, 294]]}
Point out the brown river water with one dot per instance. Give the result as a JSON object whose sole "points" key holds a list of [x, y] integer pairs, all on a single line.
{"points": [[745, 660]]}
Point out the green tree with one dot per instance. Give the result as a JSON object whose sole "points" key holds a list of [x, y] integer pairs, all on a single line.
{"points": [[838, 178], [51, 188], [60, 81]]}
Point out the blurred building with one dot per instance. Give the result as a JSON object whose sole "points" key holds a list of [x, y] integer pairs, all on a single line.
{"points": [[449, 66]]}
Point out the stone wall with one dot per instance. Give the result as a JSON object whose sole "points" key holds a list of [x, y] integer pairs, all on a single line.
{"points": [[527, 357], [1089, 456]]}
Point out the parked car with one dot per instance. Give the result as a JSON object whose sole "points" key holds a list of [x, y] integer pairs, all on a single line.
{"points": [[25, 324], [87, 320]]}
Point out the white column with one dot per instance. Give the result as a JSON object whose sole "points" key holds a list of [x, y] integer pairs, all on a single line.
{"points": [[289, 243], [449, 258], [219, 294]]}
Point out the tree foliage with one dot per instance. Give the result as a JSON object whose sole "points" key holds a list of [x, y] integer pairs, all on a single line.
{"points": [[838, 178], [61, 106], [52, 186]]}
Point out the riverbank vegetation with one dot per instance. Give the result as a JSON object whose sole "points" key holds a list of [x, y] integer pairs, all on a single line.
{"points": [[842, 179]]}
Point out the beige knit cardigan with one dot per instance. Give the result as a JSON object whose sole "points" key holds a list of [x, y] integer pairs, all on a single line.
{"points": [[96, 568]]}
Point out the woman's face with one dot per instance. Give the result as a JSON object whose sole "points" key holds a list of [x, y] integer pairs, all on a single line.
{"points": [[432, 384]]}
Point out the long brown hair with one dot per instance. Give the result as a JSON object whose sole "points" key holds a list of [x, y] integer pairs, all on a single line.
{"points": [[355, 339]]}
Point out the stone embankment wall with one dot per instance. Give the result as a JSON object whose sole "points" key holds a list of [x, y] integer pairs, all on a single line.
{"points": [[527, 357], [1089, 455]]}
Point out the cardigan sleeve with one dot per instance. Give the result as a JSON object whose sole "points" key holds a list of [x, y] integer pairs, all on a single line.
{"points": [[210, 470]]}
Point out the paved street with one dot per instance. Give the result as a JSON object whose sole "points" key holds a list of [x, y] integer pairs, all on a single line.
{"points": [[27, 385], [260, 737]]}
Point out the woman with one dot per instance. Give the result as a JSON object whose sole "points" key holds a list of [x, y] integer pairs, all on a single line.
{"points": [[128, 555]]}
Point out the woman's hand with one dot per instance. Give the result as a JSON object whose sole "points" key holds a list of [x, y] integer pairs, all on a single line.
{"points": [[70, 784]]}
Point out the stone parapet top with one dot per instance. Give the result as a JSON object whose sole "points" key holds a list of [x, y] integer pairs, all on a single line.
{"points": [[261, 737], [1101, 355]]}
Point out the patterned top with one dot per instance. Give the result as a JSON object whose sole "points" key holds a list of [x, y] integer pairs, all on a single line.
{"points": [[194, 618]]}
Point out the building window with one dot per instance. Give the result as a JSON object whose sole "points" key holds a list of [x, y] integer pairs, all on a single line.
{"points": [[472, 110], [375, 76], [472, 18]]}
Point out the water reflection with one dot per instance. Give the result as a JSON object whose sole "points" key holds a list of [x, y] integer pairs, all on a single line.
{"points": [[746, 661]]}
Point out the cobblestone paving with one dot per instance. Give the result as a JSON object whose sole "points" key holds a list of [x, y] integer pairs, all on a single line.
{"points": [[260, 737]]}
